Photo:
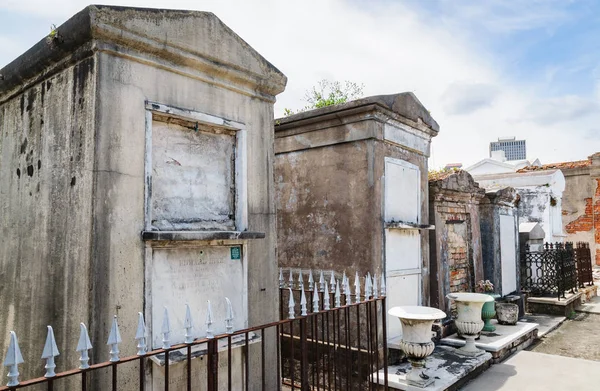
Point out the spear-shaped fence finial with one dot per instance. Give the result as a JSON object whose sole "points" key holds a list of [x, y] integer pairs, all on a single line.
{"points": [[291, 279], [321, 282], [291, 305], [326, 303], [332, 282], [357, 288], [315, 299], [12, 360], [300, 280], [229, 318], [348, 292], [382, 285], [375, 288], [83, 346], [368, 287], [338, 295], [166, 330], [50, 351], [303, 311], [281, 281], [209, 320], [311, 281], [114, 339], [140, 335], [188, 325]]}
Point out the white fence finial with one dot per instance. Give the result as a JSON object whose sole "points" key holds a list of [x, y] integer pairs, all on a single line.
{"points": [[140, 335], [188, 325], [321, 282], [368, 287], [326, 303], [348, 292], [332, 282], [300, 280], [311, 281], [315, 299], [50, 351], [83, 346], [291, 279], [281, 282], [344, 280], [357, 288], [375, 288], [166, 330], [338, 295], [291, 305], [209, 320], [382, 285], [12, 360], [114, 339], [229, 318], [303, 311]]}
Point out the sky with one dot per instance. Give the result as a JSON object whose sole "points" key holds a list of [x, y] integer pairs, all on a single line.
{"points": [[483, 68]]}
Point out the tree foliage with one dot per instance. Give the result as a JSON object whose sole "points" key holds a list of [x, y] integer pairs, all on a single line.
{"points": [[329, 93]]}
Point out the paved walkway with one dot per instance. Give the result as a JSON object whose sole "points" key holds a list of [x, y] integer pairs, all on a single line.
{"points": [[591, 307], [534, 371]]}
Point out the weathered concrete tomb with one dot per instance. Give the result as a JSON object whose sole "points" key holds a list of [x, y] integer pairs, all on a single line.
{"points": [[135, 171], [455, 246], [580, 201], [352, 193]]}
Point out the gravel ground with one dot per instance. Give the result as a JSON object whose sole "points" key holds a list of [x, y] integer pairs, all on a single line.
{"points": [[577, 337]]}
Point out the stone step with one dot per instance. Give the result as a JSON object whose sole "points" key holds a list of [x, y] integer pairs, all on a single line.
{"points": [[502, 342], [449, 369]]}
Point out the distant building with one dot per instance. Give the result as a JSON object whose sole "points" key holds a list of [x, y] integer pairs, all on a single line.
{"points": [[513, 149], [453, 166]]}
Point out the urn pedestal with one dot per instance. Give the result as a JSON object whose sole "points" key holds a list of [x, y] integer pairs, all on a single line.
{"points": [[468, 321], [416, 339]]}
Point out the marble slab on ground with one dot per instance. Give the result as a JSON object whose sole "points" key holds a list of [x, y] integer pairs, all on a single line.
{"points": [[494, 341], [546, 323], [445, 365], [591, 307]]}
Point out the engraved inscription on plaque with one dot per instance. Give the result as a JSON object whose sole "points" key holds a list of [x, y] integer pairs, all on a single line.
{"points": [[193, 276]]}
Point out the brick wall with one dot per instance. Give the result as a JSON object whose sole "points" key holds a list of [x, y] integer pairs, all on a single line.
{"points": [[589, 220]]}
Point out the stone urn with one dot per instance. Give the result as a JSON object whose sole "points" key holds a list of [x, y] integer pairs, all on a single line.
{"points": [[508, 313], [468, 321], [488, 312], [416, 339]]}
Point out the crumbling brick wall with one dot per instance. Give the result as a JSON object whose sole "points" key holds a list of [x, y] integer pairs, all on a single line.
{"points": [[589, 220]]}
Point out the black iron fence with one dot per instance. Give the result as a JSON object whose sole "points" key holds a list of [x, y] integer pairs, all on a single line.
{"points": [[334, 342], [551, 271], [583, 256]]}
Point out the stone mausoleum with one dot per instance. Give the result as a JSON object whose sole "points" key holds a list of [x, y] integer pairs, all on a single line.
{"points": [[352, 193], [136, 155]]}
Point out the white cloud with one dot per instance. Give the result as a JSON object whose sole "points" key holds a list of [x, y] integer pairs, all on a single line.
{"points": [[391, 47]]}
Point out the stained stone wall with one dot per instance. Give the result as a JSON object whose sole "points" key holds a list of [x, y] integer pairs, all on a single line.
{"points": [[455, 245]]}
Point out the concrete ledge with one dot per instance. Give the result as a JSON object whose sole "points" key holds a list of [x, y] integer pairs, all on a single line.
{"points": [[501, 343], [200, 235], [553, 306], [450, 370], [546, 323]]}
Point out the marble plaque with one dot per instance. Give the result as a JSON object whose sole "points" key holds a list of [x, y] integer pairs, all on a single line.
{"points": [[193, 275]]}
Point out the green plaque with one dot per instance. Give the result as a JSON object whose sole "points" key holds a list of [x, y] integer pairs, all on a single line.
{"points": [[236, 253]]}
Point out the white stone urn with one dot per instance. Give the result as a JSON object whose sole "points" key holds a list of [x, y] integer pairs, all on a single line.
{"points": [[416, 339], [468, 321]]}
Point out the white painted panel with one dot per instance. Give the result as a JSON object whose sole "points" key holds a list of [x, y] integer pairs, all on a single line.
{"points": [[193, 276], [401, 290], [402, 250], [193, 178], [508, 254], [402, 191]]}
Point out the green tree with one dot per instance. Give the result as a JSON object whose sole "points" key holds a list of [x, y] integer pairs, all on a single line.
{"points": [[328, 93]]}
